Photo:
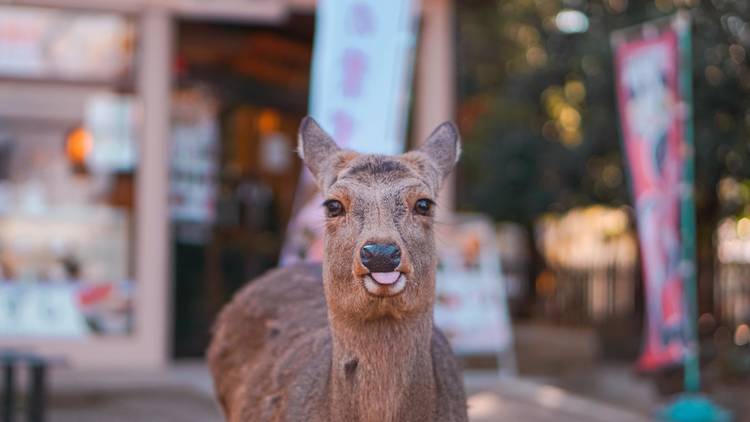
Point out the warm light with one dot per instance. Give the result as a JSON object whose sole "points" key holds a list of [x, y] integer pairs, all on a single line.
{"points": [[545, 283], [571, 21], [570, 118], [78, 145], [484, 405], [536, 56], [268, 121], [571, 138], [742, 335], [575, 91], [737, 53], [743, 228], [527, 35]]}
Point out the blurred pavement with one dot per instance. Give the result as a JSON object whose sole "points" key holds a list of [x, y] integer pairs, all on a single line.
{"points": [[184, 393], [564, 379]]}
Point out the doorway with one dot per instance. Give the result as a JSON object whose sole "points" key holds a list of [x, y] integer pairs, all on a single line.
{"points": [[239, 95]]}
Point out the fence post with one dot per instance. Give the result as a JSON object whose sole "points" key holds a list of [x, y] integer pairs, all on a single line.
{"points": [[37, 394]]}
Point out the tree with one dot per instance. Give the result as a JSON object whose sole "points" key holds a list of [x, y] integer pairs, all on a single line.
{"points": [[538, 113]]}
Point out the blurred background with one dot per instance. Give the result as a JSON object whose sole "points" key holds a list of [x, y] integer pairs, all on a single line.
{"points": [[147, 172]]}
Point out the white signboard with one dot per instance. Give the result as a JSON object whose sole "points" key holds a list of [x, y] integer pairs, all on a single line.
{"points": [[110, 118], [33, 310], [471, 306], [194, 161], [42, 42]]}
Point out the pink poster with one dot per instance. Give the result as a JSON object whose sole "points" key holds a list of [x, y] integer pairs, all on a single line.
{"points": [[649, 102]]}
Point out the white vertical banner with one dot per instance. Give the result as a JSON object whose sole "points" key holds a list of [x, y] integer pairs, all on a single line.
{"points": [[359, 93], [361, 72]]}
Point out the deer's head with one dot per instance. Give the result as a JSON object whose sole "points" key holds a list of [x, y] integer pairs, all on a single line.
{"points": [[379, 246]]}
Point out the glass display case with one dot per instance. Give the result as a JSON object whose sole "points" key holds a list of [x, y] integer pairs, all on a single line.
{"points": [[67, 148], [81, 271]]}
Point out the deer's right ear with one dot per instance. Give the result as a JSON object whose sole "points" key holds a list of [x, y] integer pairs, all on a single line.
{"points": [[315, 146]]}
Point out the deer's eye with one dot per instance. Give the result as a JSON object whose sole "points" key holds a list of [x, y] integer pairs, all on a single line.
{"points": [[334, 208], [423, 206]]}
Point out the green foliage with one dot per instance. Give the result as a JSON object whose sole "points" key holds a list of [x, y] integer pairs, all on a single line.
{"points": [[535, 141]]}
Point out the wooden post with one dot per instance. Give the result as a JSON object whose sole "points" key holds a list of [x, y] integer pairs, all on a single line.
{"points": [[435, 82], [152, 213]]}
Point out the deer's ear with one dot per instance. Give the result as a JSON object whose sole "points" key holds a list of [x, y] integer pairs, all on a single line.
{"points": [[443, 147], [315, 146]]}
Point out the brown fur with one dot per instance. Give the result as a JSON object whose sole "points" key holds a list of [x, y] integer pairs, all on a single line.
{"points": [[311, 344]]}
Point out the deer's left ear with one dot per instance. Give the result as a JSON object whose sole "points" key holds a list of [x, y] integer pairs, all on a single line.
{"points": [[443, 147]]}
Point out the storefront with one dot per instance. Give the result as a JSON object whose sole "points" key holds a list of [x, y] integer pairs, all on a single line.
{"points": [[145, 173]]}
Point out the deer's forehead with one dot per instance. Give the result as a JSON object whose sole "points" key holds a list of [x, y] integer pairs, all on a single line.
{"points": [[376, 168], [379, 176], [384, 167], [374, 190]]}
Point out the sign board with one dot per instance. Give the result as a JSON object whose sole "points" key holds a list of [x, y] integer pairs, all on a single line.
{"points": [[471, 306], [110, 118], [49, 43], [34, 310], [194, 158], [65, 309]]}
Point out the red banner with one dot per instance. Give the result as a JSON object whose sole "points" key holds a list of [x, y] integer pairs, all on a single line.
{"points": [[647, 66]]}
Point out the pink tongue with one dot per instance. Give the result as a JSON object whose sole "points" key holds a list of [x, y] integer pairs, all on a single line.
{"points": [[386, 278]]}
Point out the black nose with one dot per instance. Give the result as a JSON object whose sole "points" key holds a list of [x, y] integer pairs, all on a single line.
{"points": [[380, 258]]}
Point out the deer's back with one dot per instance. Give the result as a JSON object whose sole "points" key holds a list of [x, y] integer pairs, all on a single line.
{"points": [[270, 337]]}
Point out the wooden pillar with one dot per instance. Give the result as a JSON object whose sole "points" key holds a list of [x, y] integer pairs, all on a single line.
{"points": [[436, 81], [153, 304]]}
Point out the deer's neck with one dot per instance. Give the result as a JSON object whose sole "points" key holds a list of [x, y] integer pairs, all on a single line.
{"points": [[382, 370]]}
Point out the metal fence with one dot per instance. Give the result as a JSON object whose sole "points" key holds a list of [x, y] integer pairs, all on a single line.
{"points": [[732, 293], [593, 294], [33, 402], [592, 266], [732, 282]]}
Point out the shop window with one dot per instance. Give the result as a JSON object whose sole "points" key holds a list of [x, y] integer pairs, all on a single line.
{"points": [[67, 166]]}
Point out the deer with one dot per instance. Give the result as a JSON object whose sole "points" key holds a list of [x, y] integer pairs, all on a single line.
{"points": [[352, 339]]}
